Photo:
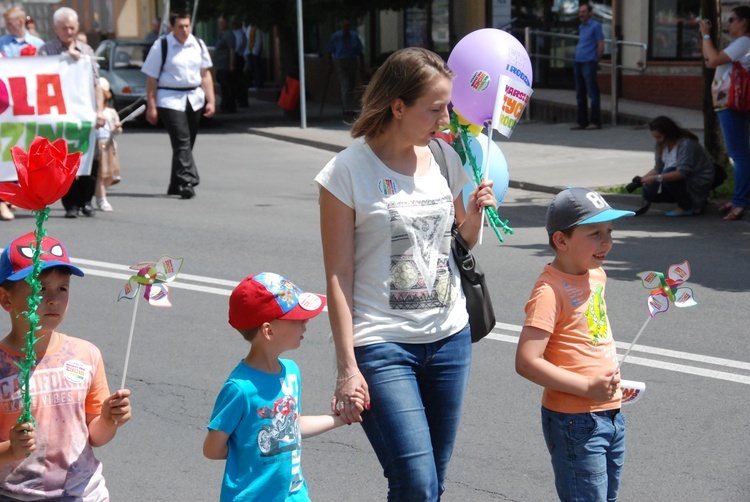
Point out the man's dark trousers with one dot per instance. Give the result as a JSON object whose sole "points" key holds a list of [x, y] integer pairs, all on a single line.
{"points": [[182, 128]]}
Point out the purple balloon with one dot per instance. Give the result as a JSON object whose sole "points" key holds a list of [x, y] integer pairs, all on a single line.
{"points": [[478, 60]]}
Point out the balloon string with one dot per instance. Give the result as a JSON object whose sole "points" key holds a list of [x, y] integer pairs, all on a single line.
{"points": [[33, 301]]}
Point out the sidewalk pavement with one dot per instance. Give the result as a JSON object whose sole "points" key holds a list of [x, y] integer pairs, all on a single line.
{"points": [[541, 156]]}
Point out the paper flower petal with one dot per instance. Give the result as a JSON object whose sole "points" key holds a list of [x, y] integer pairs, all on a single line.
{"points": [[129, 291], [158, 295], [44, 173], [651, 279], [167, 268], [679, 272], [683, 297], [657, 303]]}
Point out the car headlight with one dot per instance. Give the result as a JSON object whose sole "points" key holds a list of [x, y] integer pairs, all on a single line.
{"points": [[135, 89]]}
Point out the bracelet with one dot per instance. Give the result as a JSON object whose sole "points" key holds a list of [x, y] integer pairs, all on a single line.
{"points": [[346, 379], [706, 37]]}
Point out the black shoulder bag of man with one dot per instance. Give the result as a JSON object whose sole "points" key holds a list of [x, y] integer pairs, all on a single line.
{"points": [[478, 302]]}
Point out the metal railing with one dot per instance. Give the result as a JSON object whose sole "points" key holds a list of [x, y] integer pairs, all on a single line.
{"points": [[615, 46]]}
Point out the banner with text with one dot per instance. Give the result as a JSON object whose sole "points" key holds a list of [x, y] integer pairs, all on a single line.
{"points": [[48, 96]]}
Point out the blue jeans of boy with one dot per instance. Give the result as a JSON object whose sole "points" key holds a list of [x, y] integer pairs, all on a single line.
{"points": [[735, 128], [587, 87], [587, 451], [416, 396]]}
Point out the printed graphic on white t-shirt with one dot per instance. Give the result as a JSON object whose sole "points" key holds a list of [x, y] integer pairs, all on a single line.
{"points": [[420, 245]]}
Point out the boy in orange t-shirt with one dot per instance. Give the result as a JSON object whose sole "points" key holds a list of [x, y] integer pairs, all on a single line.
{"points": [[566, 346], [71, 403]]}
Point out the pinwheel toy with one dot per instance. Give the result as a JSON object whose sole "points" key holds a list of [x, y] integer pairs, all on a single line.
{"points": [[664, 290], [45, 174], [153, 276], [668, 289]]}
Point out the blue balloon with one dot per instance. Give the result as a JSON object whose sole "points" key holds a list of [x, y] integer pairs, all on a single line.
{"points": [[498, 169]]}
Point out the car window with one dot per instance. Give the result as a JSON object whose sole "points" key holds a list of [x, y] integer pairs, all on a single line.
{"points": [[130, 56], [104, 51]]}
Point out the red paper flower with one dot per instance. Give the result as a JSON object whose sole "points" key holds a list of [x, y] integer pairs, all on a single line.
{"points": [[28, 50], [44, 174]]}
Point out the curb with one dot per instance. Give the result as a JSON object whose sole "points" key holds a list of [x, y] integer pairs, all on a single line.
{"points": [[321, 145]]}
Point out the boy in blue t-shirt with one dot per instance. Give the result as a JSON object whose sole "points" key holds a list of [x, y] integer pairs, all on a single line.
{"points": [[256, 423]]}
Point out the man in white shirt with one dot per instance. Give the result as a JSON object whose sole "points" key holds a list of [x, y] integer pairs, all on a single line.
{"points": [[179, 89]]}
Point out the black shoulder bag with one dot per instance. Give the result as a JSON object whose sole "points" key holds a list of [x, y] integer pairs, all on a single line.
{"points": [[478, 302]]}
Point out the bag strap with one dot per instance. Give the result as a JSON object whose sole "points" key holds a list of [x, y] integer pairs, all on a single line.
{"points": [[439, 154], [163, 55]]}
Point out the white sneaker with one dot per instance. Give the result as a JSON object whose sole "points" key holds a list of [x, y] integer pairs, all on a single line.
{"points": [[103, 205]]}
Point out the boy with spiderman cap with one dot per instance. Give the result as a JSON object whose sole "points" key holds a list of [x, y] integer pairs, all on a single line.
{"points": [[256, 424], [71, 403], [566, 346]]}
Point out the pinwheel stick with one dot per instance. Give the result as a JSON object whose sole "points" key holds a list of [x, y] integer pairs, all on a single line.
{"points": [[34, 299], [130, 343], [632, 344]]}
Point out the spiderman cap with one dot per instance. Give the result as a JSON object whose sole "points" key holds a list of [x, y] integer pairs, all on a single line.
{"points": [[16, 261]]}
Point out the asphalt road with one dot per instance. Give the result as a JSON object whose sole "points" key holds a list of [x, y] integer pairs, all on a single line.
{"points": [[256, 210]]}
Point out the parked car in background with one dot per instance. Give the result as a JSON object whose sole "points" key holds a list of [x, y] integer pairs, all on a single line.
{"points": [[120, 63]]}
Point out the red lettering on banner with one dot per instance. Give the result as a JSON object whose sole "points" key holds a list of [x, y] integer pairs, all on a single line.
{"points": [[46, 101], [20, 96]]}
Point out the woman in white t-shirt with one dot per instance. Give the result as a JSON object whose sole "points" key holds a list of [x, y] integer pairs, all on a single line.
{"points": [[735, 126], [395, 304]]}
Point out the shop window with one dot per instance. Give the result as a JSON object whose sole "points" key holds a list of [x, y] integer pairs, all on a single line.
{"points": [[674, 29]]}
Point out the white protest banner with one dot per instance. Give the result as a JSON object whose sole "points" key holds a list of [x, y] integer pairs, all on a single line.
{"points": [[47, 96], [510, 102]]}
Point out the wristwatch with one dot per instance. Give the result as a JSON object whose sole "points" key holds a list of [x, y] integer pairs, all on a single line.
{"points": [[658, 178], [706, 37]]}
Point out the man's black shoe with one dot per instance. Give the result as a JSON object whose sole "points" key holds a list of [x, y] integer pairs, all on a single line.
{"points": [[71, 213], [173, 190], [87, 210], [186, 191]]}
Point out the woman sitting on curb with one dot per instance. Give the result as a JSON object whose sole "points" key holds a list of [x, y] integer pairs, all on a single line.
{"points": [[683, 172]]}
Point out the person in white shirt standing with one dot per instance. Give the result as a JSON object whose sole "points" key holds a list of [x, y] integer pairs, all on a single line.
{"points": [[179, 89], [18, 37]]}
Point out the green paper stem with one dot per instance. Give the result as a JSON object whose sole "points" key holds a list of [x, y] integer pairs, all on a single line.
{"points": [[33, 300], [462, 131]]}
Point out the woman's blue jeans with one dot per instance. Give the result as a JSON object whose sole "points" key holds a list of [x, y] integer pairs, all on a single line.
{"points": [[587, 451], [735, 127], [416, 396]]}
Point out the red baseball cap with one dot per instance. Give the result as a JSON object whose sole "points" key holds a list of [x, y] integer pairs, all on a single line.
{"points": [[266, 297]]}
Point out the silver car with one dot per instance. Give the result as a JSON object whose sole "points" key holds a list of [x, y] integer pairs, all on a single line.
{"points": [[120, 62]]}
